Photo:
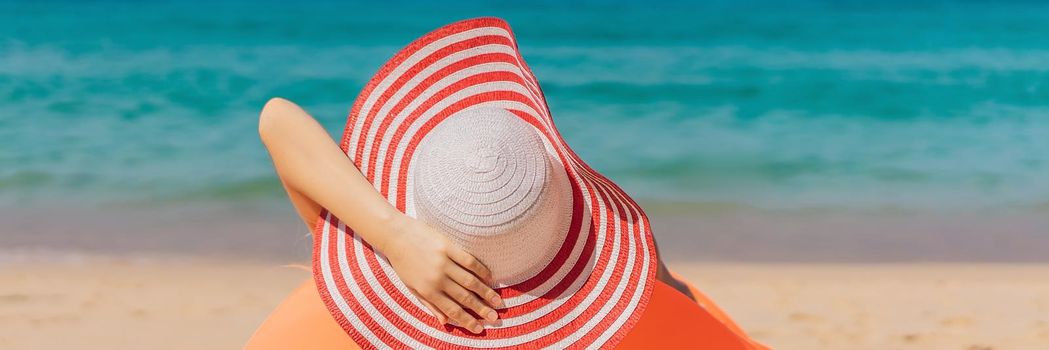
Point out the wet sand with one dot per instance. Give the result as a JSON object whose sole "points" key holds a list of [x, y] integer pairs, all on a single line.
{"points": [[92, 302], [683, 233]]}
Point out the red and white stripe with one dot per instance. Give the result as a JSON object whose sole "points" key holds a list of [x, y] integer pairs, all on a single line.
{"points": [[592, 292]]}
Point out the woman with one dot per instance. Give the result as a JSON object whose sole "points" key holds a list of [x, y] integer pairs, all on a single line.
{"points": [[453, 284]]}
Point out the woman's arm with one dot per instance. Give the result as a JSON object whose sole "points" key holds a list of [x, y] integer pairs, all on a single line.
{"points": [[317, 174]]}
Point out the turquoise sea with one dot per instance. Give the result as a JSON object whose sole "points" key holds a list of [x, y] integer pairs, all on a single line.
{"points": [[896, 105]]}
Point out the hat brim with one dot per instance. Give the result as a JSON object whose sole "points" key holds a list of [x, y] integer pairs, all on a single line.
{"points": [[590, 294]]}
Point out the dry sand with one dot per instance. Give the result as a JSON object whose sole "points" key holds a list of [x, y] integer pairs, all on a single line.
{"points": [[124, 303], [884, 306]]}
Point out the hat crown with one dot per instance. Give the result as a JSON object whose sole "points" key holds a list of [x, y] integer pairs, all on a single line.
{"points": [[486, 178]]}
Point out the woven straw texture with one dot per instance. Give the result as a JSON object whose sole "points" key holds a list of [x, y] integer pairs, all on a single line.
{"points": [[454, 130]]}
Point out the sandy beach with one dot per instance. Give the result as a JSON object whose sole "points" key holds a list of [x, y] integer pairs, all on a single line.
{"points": [[836, 175], [205, 277], [100, 302]]}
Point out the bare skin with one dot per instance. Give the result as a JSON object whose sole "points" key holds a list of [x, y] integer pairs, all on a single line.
{"points": [[317, 174]]}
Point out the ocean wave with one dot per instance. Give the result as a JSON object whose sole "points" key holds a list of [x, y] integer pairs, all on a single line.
{"points": [[810, 105], [780, 58], [992, 156]]}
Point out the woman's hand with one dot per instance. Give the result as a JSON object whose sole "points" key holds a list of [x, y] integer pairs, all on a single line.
{"points": [[446, 279], [317, 174]]}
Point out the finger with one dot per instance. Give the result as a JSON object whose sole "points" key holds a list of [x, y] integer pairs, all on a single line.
{"points": [[470, 263], [433, 310], [469, 300], [456, 314], [470, 282]]}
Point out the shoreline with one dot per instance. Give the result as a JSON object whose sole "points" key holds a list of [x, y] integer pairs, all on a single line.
{"points": [[269, 232], [107, 302]]}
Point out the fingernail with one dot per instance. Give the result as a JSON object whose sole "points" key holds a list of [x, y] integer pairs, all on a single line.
{"points": [[490, 315], [498, 302], [477, 329]]}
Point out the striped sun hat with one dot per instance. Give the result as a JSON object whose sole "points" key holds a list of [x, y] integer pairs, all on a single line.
{"points": [[454, 130]]}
